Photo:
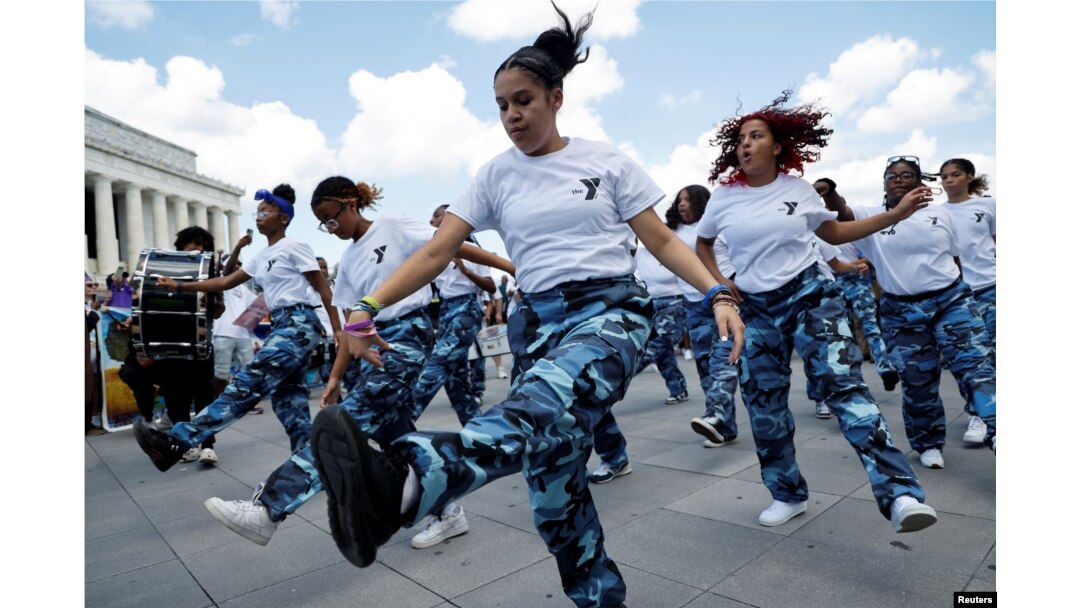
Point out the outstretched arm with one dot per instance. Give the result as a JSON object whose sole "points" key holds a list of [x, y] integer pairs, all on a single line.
{"points": [[217, 284], [848, 230]]}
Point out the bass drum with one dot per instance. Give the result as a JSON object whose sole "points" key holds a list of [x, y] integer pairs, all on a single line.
{"points": [[170, 325]]}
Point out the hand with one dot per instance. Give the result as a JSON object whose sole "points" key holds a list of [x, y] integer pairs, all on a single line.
{"points": [[916, 199], [339, 335], [168, 283], [460, 266], [862, 267], [95, 304], [361, 346], [734, 290], [243, 241], [331, 393], [125, 325], [730, 326]]}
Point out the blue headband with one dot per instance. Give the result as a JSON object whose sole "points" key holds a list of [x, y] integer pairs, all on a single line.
{"points": [[284, 205]]}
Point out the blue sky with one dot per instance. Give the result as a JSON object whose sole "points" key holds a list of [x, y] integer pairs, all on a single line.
{"points": [[399, 93]]}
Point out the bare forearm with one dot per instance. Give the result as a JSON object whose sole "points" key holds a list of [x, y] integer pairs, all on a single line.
{"points": [[838, 233], [486, 258], [341, 362]]}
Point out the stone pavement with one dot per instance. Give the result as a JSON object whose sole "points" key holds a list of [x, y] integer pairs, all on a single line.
{"points": [[682, 527]]}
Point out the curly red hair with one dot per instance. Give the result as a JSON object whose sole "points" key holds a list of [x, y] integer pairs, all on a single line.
{"points": [[798, 130]]}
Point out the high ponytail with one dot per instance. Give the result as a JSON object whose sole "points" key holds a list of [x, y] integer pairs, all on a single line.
{"points": [[554, 53]]}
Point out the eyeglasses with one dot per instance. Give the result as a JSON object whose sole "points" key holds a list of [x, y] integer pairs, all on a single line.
{"points": [[262, 215], [906, 176], [331, 224], [91, 284], [907, 159]]}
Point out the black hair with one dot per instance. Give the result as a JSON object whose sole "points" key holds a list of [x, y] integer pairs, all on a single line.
{"points": [[343, 190], [286, 192], [442, 207], [699, 197], [194, 234], [553, 54]]}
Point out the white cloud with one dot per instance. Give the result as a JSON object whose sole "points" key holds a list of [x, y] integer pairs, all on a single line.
{"points": [[489, 20], [924, 98], [986, 62], [688, 164], [128, 15], [246, 146], [671, 102], [278, 12], [244, 39], [860, 72]]}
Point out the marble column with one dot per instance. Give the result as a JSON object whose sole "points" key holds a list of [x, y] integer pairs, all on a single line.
{"points": [[135, 240], [108, 250], [180, 213], [162, 238], [234, 229], [200, 214]]}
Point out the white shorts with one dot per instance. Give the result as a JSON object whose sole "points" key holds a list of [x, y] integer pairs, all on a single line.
{"points": [[230, 351]]}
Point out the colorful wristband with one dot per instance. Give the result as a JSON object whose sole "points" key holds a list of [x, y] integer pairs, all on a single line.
{"points": [[716, 289], [370, 301], [359, 325], [363, 306]]}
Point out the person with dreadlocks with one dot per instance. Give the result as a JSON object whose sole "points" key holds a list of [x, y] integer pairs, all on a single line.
{"points": [[562, 206], [286, 270], [927, 312], [769, 219]]}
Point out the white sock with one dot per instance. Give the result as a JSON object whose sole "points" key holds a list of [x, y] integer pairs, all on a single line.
{"points": [[411, 492]]}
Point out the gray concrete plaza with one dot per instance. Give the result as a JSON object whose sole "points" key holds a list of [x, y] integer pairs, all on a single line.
{"points": [[682, 527]]}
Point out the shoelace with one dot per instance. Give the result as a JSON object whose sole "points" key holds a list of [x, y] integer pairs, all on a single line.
{"points": [[258, 492]]}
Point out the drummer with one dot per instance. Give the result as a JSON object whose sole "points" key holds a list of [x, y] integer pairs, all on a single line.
{"points": [[284, 269]]}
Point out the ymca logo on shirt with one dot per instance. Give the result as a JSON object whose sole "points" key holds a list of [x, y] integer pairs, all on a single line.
{"points": [[979, 217], [592, 183], [933, 219], [789, 207], [269, 265], [379, 252]]}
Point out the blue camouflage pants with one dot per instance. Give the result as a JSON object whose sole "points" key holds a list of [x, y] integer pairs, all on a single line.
{"points": [[575, 349], [920, 332], [719, 378], [669, 325], [459, 322], [278, 371], [986, 302], [808, 313], [859, 295], [381, 402]]}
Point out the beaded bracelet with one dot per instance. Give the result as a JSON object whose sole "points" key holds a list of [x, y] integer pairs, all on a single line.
{"points": [[718, 288], [364, 306]]}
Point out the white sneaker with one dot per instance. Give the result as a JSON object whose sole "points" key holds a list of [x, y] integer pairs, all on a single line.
{"points": [[652, 368], [502, 373], [714, 444], [976, 430], [687, 354], [910, 515], [780, 513], [605, 472], [191, 455], [822, 411], [932, 459], [207, 456], [440, 529], [248, 518]]}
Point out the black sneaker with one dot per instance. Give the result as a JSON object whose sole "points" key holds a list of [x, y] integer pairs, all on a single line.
{"points": [[707, 428], [162, 448], [363, 486], [890, 379], [672, 400]]}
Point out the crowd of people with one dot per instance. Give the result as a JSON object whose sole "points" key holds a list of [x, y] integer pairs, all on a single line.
{"points": [[764, 264]]}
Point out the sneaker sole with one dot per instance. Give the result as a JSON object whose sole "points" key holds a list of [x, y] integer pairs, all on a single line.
{"points": [[823, 415], [706, 431], [917, 518], [148, 448], [974, 440], [675, 400], [447, 535], [211, 505], [623, 471], [708, 443], [773, 524], [338, 448]]}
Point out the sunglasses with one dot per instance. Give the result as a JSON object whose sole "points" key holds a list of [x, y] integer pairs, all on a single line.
{"points": [[907, 159]]}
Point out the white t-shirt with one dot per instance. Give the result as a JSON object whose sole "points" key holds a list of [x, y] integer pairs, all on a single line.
{"points": [[453, 283], [369, 261], [975, 222], [279, 270], [561, 215], [913, 256], [688, 234], [847, 252], [824, 252], [768, 229], [236, 301], [660, 281]]}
